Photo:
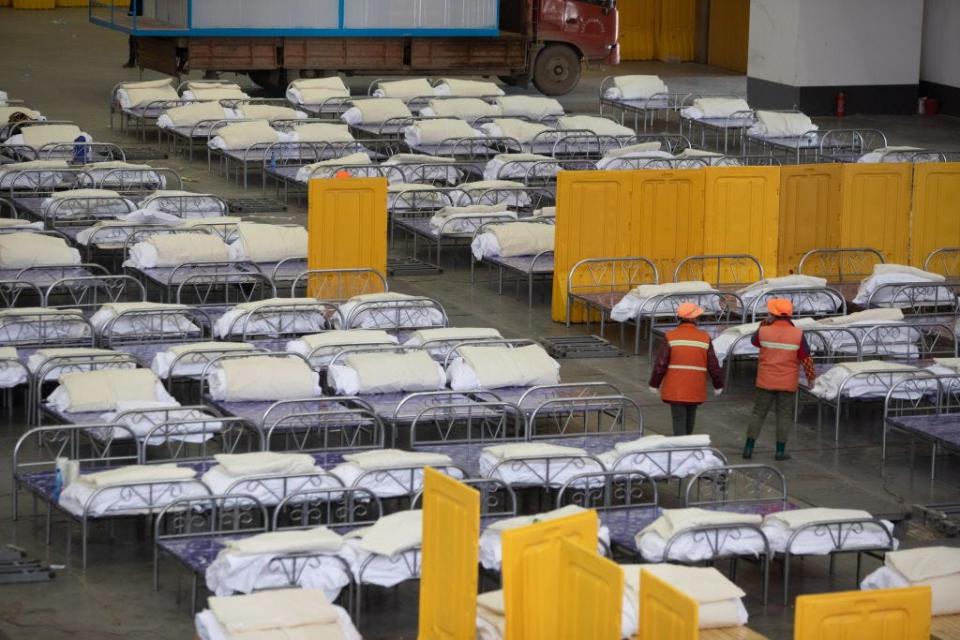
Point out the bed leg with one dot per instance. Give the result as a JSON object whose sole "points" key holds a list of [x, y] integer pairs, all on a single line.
{"points": [[859, 564], [49, 522], [83, 547], [933, 461], [194, 594], [786, 579], [156, 569], [833, 558]]}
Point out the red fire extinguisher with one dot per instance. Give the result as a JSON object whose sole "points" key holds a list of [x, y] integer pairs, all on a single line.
{"points": [[841, 104]]}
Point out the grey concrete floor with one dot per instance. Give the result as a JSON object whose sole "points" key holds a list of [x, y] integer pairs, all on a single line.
{"points": [[66, 68]]}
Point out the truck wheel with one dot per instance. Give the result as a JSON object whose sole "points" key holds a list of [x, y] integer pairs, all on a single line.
{"points": [[557, 70]]}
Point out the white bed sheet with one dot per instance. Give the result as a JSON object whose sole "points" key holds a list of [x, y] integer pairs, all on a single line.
{"points": [[232, 573], [863, 386], [632, 307], [818, 543], [657, 463], [689, 548], [382, 571], [535, 471], [410, 315], [209, 628], [120, 499]]}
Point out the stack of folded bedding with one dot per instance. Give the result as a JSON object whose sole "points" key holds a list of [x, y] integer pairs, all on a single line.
{"points": [[103, 494], [491, 192], [39, 136], [467, 219], [213, 91], [191, 359], [368, 311], [653, 299], [272, 317], [418, 167], [402, 196], [190, 115], [520, 130], [20, 223], [439, 342], [652, 541], [372, 113], [376, 549], [8, 112], [318, 132], [631, 156], [104, 389], [738, 339], [868, 379], [316, 91], [321, 348], [513, 239], [520, 166], [894, 338], [270, 113], [466, 109], [776, 124], [535, 108], [254, 563], [720, 600], [41, 324], [20, 250], [944, 367], [12, 371], [328, 168], [433, 133], [268, 242], [934, 567], [406, 89], [482, 368], [595, 124], [176, 249], [635, 87], [467, 88], [240, 136], [242, 380], [814, 540], [390, 473], [535, 463], [86, 203], [266, 475], [491, 549], [657, 456], [276, 613], [898, 274], [381, 373], [131, 95], [545, 212], [717, 108], [39, 172], [143, 318]]}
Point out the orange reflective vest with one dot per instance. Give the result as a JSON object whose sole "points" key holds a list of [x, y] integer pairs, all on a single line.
{"points": [[686, 378], [779, 367]]}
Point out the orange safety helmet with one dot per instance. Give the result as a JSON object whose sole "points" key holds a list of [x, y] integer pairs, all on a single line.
{"points": [[689, 311], [780, 307], [342, 174]]}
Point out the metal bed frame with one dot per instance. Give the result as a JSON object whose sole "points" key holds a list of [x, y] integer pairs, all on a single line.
{"points": [[607, 281], [395, 315], [945, 261], [723, 310], [535, 267], [930, 418], [843, 268], [730, 129], [338, 285], [661, 104], [848, 145]]}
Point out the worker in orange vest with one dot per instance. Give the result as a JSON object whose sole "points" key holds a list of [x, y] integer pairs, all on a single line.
{"points": [[682, 368], [783, 350]]}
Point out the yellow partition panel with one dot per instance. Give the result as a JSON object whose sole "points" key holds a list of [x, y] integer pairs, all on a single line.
{"points": [[449, 558], [810, 202], [936, 209], [742, 212], [729, 34], [347, 223], [876, 208], [666, 613], [677, 33], [885, 614], [594, 220], [638, 29], [591, 594], [531, 573], [668, 206]]}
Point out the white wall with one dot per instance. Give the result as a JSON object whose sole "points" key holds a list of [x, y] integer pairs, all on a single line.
{"points": [[810, 43], [941, 42]]}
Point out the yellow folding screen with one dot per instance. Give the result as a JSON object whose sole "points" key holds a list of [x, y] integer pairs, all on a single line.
{"points": [[531, 573], [591, 594], [638, 29], [666, 613], [741, 213], [449, 559], [936, 209], [663, 29], [876, 208], [347, 223], [594, 219], [729, 34], [885, 614], [669, 212], [810, 201], [677, 32]]}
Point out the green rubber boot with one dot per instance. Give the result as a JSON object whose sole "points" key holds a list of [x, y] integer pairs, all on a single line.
{"points": [[748, 449], [781, 452]]}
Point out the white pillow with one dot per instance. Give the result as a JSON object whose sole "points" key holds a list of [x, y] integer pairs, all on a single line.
{"points": [[405, 89], [535, 108], [244, 380], [469, 88], [269, 242]]}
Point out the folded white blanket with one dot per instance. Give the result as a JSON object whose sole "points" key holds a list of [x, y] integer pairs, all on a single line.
{"points": [[176, 249], [323, 132], [317, 540], [796, 518], [280, 609], [269, 242], [435, 132], [596, 124], [207, 91], [482, 368], [138, 473], [40, 135], [396, 458], [392, 534], [636, 87], [241, 135], [720, 599], [141, 94], [774, 124], [405, 89], [128, 318], [671, 288], [523, 239], [674, 521], [532, 107], [101, 390], [785, 282], [655, 442], [189, 115], [243, 380], [893, 274], [375, 112], [919, 274], [452, 220], [720, 107], [520, 130], [522, 450], [874, 365], [469, 88], [377, 373], [466, 109], [317, 90], [21, 250], [260, 463], [523, 521], [935, 567]]}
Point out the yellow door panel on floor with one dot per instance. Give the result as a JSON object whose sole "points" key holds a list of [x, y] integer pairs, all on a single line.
{"points": [[876, 208], [810, 201], [531, 572], [591, 594], [741, 213], [885, 614], [666, 613], [451, 541], [936, 209], [594, 219], [668, 207]]}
